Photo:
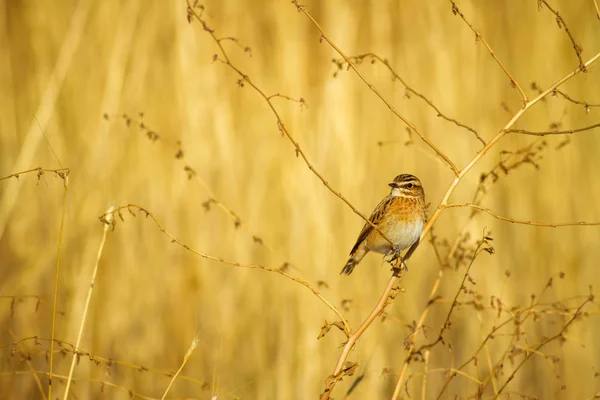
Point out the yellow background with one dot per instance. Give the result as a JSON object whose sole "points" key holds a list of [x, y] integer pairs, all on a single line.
{"points": [[67, 63]]}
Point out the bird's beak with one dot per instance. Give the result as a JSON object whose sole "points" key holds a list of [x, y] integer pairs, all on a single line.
{"points": [[393, 185]]}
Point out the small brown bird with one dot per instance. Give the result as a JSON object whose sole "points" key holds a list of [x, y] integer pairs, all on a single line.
{"points": [[400, 216]]}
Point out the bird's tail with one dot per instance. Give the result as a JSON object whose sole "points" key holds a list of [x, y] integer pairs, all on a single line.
{"points": [[349, 267], [354, 260]]}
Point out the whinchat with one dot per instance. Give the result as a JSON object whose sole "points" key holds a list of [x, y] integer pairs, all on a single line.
{"points": [[400, 216]]}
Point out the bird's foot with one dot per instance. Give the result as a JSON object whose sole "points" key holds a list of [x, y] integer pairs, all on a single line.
{"points": [[396, 260]]}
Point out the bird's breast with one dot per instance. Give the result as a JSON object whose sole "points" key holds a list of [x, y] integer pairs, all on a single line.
{"points": [[402, 233]]}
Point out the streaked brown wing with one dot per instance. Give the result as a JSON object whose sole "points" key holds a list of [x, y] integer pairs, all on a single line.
{"points": [[375, 218]]}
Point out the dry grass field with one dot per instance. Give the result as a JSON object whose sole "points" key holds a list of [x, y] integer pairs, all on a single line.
{"points": [[214, 125]]}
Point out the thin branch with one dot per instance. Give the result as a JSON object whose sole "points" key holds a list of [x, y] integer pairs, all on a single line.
{"points": [[56, 276], [470, 165], [444, 326], [516, 317], [104, 218], [30, 366], [359, 58], [300, 101], [426, 372], [180, 154], [178, 149], [339, 372], [187, 356], [302, 9], [342, 369], [543, 343], [572, 100], [245, 79], [561, 22], [522, 222], [102, 383], [61, 173], [246, 49], [478, 36], [88, 300], [108, 362], [555, 132]]}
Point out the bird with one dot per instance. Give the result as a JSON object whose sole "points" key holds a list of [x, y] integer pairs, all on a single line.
{"points": [[400, 216]]}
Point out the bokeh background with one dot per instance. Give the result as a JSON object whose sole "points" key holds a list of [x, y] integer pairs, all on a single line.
{"points": [[63, 65]]}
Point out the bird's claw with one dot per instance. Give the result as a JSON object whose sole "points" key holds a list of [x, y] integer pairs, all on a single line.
{"points": [[397, 266]]}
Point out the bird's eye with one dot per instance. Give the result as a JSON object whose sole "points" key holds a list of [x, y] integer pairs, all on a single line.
{"points": [[410, 186]]}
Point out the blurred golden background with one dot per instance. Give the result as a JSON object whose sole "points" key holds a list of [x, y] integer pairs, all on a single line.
{"points": [[65, 65]]}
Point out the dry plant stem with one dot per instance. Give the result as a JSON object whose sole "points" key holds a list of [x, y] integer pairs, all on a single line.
{"points": [[61, 172], [98, 360], [488, 358], [561, 22], [572, 100], [454, 183], [354, 337], [597, 9], [130, 392], [445, 325], [432, 295], [383, 301], [478, 36], [542, 344], [516, 221], [31, 369], [187, 356], [413, 91], [187, 168], [60, 242], [452, 166], [426, 372], [527, 311], [480, 193], [148, 214], [47, 104], [87, 305], [545, 133], [299, 152]]}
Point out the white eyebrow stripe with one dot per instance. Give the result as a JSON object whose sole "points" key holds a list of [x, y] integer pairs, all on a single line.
{"points": [[413, 181]]}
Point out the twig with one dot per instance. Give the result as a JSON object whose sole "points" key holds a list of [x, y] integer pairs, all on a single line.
{"points": [[302, 9], [470, 165], [108, 362], [147, 214], [102, 383], [300, 101], [518, 318], [153, 135], [358, 59], [561, 22], [556, 132], [572, 100], [31, 369], [445, 325], [87, 301], [516, 221], [245, 79], [57, 274], [543, 343], [187, 356], [426, 372], [237, 42], [478, 36], [61, 172], [340, 371]]}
